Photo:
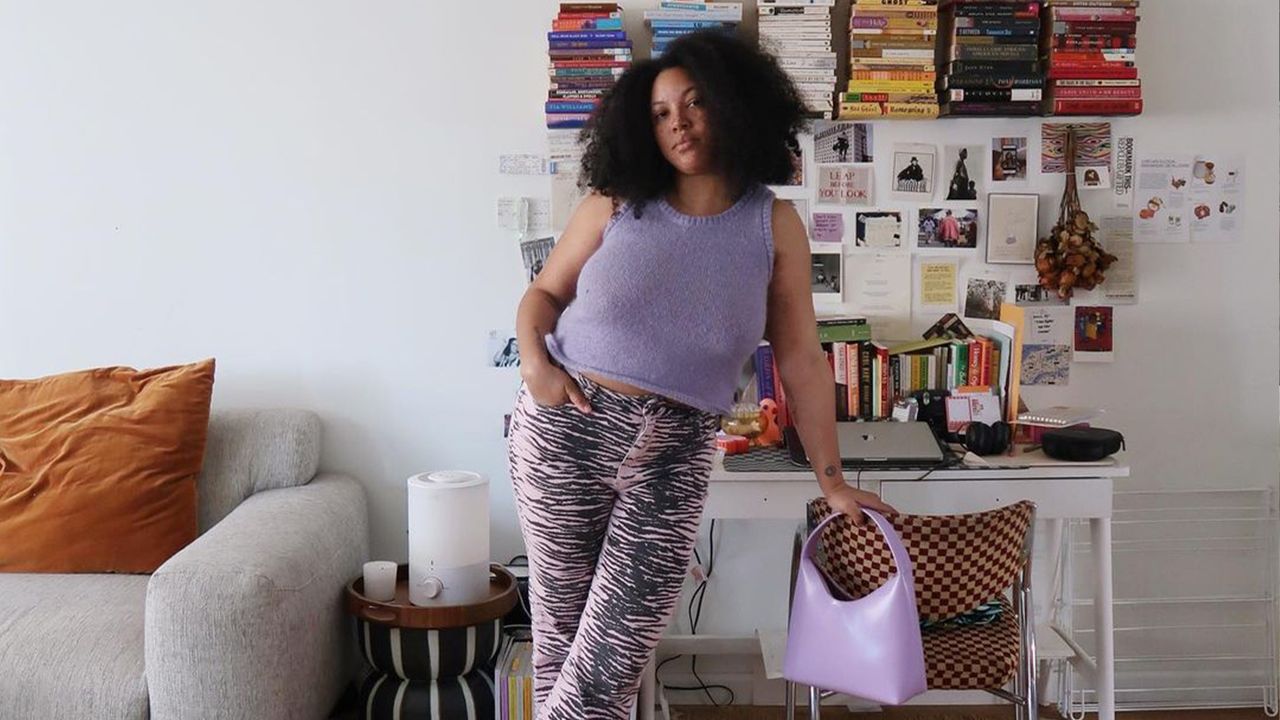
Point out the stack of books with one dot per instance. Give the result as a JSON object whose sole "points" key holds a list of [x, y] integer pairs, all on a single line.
{"points": [[798, 34], [513, 675], [1091, 55], [991, 51], [892, 71], [675, 18], [588, 49]]}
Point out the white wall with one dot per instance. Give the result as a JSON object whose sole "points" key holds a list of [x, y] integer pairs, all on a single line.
{"points": [[305, 190]]}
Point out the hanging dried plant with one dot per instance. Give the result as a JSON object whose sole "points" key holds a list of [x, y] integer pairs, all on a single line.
{"points": [[1071, 256]]}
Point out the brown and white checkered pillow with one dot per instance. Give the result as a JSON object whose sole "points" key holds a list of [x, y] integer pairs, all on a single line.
{"points": [[959, 561]]}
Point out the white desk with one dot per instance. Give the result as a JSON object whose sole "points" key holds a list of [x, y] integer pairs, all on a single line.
{"points": [[1059, 492]]}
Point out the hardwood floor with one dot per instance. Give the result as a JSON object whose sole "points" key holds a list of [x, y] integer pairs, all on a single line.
{"points": [[972, 712]]}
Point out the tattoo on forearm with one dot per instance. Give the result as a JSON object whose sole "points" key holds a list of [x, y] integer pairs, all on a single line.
{"points": [[829, 471]]}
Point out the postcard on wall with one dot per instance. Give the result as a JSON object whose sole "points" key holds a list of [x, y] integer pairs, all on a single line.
{"points": [[1122, 180], [524, 214], [501, 349], [936, 284], [1012, 227], [826, 273], [962, 172], [1032, 294], [946, 227], [1217, 198], [534, 254], [522, 164], [914, 165], [1046, 346], [841, 142], [880, 229], [1008, 159], [1161, 199], [1093, 145], [1094, 330], [845, 184], [1093, 178], [880, 290], [565, 195], [827, 227], [984, 294], [1121, 285]]}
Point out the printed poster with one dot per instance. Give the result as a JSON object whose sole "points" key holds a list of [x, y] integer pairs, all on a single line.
{"points": [[1046, 346], [845, 184], [1161, 199], [1217, 198]]}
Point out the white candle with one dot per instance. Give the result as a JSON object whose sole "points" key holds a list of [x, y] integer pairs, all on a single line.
{"points": [[380, 580]]}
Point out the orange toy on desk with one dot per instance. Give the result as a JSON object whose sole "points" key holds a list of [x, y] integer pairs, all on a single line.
{"points": [[770, 432]]}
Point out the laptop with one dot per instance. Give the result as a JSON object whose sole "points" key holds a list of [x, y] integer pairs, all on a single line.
{"points": [[879, 445]]}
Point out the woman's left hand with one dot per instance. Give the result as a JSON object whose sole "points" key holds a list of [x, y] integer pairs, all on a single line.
{"points": [[850, 501]]}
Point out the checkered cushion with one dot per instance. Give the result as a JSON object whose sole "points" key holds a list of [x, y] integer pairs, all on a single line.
{"points": [[975, 657], [959, 561]]}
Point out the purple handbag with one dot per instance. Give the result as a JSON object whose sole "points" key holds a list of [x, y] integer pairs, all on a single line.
{"points": [[869, 647]]}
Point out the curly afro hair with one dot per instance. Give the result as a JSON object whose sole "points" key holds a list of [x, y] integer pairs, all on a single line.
{"points": [[753, 110]]}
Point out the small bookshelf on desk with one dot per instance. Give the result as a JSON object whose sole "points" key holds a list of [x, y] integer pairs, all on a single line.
{"points": [[871, 375]]}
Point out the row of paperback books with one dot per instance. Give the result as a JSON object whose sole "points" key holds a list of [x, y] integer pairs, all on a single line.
{"points": [[513, 676], [892, 71], [991, 53], [798, 34], [588, 49], [1092, 57], [675, 18]]}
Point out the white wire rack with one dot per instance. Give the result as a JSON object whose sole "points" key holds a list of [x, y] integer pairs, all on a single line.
{"points": [[1195, 602]]}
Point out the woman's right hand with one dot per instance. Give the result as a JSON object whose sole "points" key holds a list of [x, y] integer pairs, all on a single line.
{"points": [[550, 385]]}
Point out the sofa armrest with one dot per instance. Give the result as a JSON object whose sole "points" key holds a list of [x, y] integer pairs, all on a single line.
{"points": [[247, 621]]}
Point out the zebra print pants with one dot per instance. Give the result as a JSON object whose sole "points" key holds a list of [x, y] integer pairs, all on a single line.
{"points": [[609, 506]]}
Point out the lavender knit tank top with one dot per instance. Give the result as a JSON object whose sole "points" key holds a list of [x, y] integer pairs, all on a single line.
{"points": [[673, 303]]}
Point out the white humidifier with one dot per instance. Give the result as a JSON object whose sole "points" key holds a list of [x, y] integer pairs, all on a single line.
{"points": [[448, 538]]}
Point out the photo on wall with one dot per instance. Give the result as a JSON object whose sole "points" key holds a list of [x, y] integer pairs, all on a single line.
{"points": [[841, 142], [502, 349], [962, 171], [947, 228], [1093, 145], [534, 254], [878, 229], [1011, 227], [827, 273], [983, 297], [913, 166], [1035, 294], [1008, 159]]}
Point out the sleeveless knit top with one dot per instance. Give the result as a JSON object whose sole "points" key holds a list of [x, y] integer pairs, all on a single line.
{"points": [[673, 303]]}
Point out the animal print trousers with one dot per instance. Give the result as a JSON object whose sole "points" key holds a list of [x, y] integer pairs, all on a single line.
{"points": [[609, 505]]}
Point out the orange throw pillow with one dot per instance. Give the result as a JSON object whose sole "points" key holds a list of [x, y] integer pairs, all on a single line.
{"points": [[98, 468]]}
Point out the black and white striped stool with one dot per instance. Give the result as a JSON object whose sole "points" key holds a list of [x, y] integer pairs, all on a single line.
{"points": [[430, 662]]}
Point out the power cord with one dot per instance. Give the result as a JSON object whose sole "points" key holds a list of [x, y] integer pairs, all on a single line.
{"points": [[695, 614]]}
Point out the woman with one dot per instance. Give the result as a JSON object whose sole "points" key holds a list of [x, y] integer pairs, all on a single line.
{"points": [[632, 339]]}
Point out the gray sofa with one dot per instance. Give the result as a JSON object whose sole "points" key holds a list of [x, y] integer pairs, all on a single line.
{"points": [[246, 622]]}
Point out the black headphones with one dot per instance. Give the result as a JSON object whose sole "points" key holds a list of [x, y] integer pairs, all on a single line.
{"points": [[983, 439]]}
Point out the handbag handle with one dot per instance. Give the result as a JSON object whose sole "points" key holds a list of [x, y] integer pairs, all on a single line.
{"points": [[901, 560]]}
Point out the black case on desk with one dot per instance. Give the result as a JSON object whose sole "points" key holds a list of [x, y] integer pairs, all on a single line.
{"points": [[1081, 444]]}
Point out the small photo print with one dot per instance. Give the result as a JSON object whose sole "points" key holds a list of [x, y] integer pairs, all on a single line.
{"points": [[1008, 159], [962, 168], [947, 228], [1035, 294], [503, 350], [878, 229], [1093, 333], [1093, 145], [841, 142], [797, 167], [827, 274], [983, 297], [1046, 364], [534, 254], [913, 170], [1093, 178]]}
